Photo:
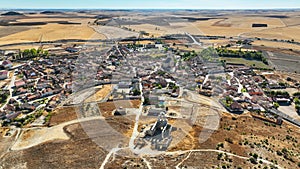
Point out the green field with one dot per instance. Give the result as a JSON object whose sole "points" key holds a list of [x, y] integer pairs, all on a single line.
{"points": [[253, 63]]}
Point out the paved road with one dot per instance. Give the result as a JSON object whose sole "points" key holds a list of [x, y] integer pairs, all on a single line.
{"points": [[285, 117], [11, 84], [195, 41]]}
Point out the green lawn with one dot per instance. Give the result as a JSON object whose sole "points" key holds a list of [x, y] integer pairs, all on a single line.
{"points": [[253, 63]]}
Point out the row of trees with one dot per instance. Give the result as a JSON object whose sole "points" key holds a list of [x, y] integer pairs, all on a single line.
{"points": [[188, 55], [277, 94], [33, 53], [251, 55]]}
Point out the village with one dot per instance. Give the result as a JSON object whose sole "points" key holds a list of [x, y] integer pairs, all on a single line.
{"points": [[159, 75]]}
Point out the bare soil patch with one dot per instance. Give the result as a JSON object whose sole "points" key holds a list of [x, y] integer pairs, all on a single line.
{"points": [[63, 114], [107, 108], [75, 153], [9, 30]]}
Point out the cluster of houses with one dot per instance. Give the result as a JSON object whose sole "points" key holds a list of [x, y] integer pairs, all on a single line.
{"points": [[48, 81], [4, 67], [42, 83], [245, 90]]}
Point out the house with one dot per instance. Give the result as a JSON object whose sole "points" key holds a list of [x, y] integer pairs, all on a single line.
{"points": [[236, 107], [9, 108], [283, 101], [156, 100], [255, 107], [20, 91], [2, 115], [7, 64], [72, 49], [33, 97], [42, 85], [124, 85], [279, 120], [20, 83], [3, 75], [12, 116], [27, 106]]}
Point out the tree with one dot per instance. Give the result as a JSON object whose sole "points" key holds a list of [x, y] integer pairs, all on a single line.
{"points": [[146, 101], [297, 94], [296, 101], [253, 160], [297, 107], [220, 156], [276, 105], [33, 52], [136, 92], [46, 53], [255, 155]]}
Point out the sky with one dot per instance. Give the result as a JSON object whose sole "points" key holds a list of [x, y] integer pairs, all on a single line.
{"points": [[150, 4]]}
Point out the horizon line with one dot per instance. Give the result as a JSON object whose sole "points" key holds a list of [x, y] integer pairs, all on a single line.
{"points": [[297, 8]]}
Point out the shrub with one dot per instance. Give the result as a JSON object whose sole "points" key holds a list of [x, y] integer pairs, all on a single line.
{"points": [[253, 160], [229, 140]]}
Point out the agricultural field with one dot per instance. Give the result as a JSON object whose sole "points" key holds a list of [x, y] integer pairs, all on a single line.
{"points": [[111, 32], [40, 27], [286, 33], [279, 45], [6, 31], [253, 63], [284, 62], [51, 32]]}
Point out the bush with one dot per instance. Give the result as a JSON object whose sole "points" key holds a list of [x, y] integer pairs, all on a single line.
{"points": [[253, 160], [276, 105], [229, 140], [219, 156], [255, 155], [220, 145], [279, 153]]}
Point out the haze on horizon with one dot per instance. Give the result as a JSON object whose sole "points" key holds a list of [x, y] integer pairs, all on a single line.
{"points": [[153, 4]]}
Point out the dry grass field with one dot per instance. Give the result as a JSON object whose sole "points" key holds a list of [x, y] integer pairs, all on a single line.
{"points": [[100, 94], [258, 137], [62, 115], [286, 33], [227, 24], [277, 44], [6, 30], [292, 20], [251, 63], [246, 22], [51, 32], [111, 32], [58, 153]]}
